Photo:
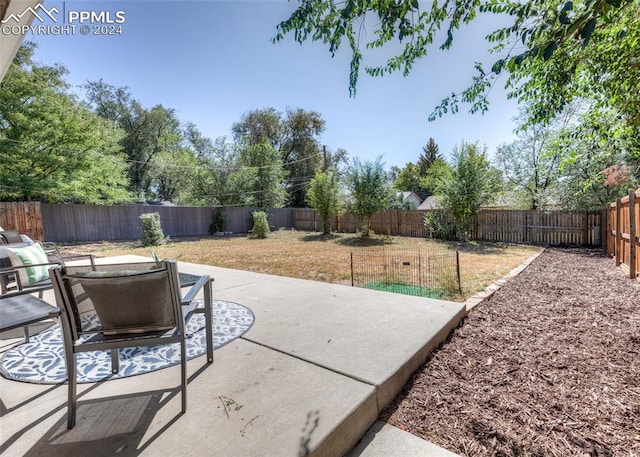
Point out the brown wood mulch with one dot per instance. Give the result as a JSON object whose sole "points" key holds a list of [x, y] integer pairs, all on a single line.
{"points": [[549, 366]]}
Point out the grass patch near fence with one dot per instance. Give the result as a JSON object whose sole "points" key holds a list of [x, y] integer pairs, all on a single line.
{"points": [[407, 289], [309, 255]]}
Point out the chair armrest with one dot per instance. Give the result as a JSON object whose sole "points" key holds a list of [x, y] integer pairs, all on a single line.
{"points": [[14, 269], [91, 258], [188, 298], [5, 272], [29, 290]]}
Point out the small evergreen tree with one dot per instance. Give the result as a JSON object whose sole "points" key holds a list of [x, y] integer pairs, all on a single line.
{"points": [[430, 153]]}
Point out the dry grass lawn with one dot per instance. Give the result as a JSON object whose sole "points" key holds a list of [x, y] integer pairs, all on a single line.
{"points": [[308, 255]]}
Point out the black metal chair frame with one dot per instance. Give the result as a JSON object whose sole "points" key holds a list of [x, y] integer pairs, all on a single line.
{"points": [[183, 307], [9, 275], [20, 309]]}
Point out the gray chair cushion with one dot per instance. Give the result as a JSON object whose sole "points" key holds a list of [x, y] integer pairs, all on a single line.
{"points": [[129, 301]]}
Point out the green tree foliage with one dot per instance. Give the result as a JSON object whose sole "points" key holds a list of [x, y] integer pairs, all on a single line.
{"points": [[370, 191], [430, 153], [258, 126], [148, 132], [471, 183], [414, 177], [151, 230], [531, 164], [408, 178], [324, 196], [551, 52], [301, 151], [599, 161], [437, 171], [267, 189], [52, 147], [260, 228], [295, 135], [220, 179], [171, 173], [583, 159]]}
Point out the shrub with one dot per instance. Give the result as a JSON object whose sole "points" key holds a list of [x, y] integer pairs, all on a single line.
{"points": [[151, 230], [260, 224], [440, 225], [219, 222]]}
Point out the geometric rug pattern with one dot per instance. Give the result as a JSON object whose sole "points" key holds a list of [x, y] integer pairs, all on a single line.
{"points": [[42, 360]]}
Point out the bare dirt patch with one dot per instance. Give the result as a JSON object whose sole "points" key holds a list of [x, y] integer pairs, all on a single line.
{"points": [[550, 366]]}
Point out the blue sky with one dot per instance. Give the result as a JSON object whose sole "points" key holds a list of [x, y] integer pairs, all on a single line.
{"points": [[211, 61]]}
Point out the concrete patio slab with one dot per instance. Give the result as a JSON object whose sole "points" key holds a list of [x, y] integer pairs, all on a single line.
{"points": [[309, 378]]}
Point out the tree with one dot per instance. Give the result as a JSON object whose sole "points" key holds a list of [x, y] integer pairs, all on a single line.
{"points": [[598, 161], [408, 178], [171, 172], [470, 184], [552, 52], [267, 189], [430, 153], [295, 135], [220, 179], [301, 151], [258, 126], [370, 191], [148, 132], [52, 147], [437, 171], [531, 164], [324, 196]]}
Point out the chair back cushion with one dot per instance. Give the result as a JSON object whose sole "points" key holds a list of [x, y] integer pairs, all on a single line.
{"points": [[30, 255], [125, 301]]}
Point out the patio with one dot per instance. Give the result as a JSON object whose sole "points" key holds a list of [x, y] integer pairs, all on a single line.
{"points": [[309, 378]]}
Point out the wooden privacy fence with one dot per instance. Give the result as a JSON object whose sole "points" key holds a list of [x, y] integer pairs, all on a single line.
{"points": [[400, 223], [24, 217], [623, 240], [63, 222], [583, 228]]}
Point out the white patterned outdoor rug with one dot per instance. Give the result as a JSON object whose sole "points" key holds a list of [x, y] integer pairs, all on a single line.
{"points": [[42, 360]]}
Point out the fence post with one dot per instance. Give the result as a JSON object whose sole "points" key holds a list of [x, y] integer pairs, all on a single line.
{"points": [[352, 269], [604, 231], [458, 272], [632, 234], [618, 232]]}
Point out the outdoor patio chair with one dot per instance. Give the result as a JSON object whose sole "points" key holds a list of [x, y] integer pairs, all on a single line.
{"points": [[108, 307], [24, 266]]}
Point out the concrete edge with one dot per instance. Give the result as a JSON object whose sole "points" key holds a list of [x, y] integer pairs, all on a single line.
{"points": [[389, 390], [350, 431], [492, 288]]}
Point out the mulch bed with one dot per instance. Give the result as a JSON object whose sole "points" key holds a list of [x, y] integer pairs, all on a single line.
{"points": [[549, 366]]}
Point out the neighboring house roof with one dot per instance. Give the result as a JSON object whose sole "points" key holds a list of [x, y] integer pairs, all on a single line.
{"points": [[412, 196], [431, 202]]}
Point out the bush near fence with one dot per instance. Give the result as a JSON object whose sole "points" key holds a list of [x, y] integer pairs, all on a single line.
{"points": [[96, 223]]}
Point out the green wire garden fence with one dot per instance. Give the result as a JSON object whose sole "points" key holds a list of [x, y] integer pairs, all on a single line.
{"points": [[423, 273]]}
